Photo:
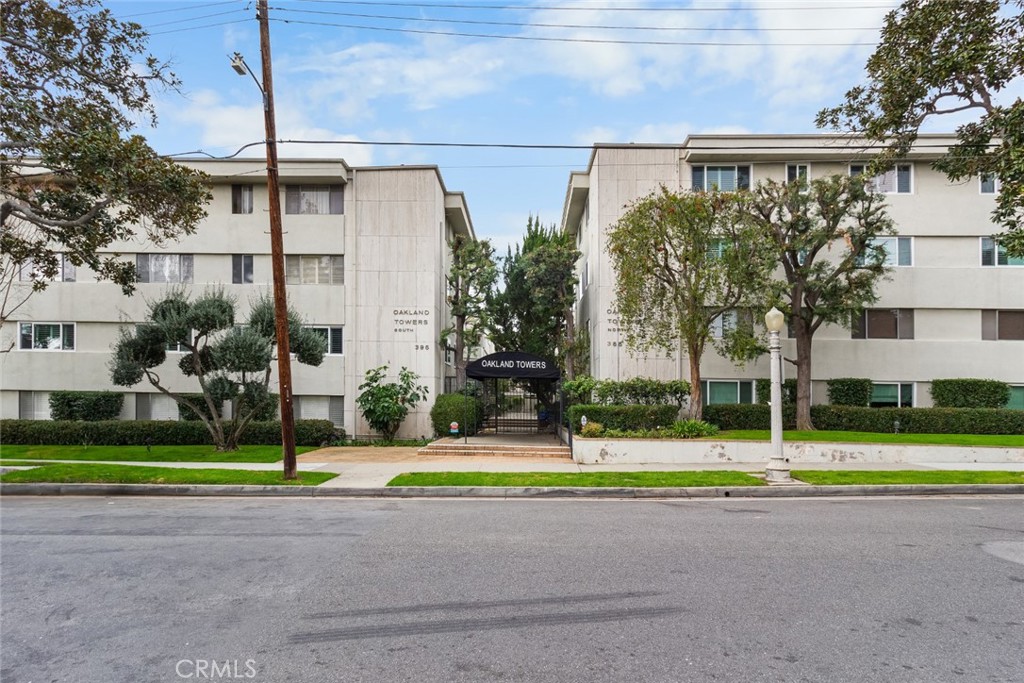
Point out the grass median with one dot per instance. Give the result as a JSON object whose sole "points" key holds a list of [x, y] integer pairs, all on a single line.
{"points": [[997, 440], [905, 477], [577, 479], [143, 454], [75, 473]]}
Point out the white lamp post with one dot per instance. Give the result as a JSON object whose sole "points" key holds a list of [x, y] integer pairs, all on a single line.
{"points": [[777, 471]]}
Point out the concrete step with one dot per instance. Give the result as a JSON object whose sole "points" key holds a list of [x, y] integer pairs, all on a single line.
{"points": [[508, 450]]}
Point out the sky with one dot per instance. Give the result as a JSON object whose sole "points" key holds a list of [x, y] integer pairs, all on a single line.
{"points": [[519, 72]]}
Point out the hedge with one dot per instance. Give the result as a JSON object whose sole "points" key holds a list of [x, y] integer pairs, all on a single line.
{"points": [[970, 393], [637, 390], [468, 411], [849, 391], [266, 412], [630, 417], [153, 432], [857, 419], [85, 405], [763, 388]]}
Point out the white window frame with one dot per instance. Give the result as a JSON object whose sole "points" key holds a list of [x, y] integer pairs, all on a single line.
{"points": [[874, 182], [302, 205], [61, 325], [66, 271], [245, 199], [995, 255], [997, 184], [899, 392], [331, 330], [252, 269], [298, 258], [182, 260], [727, 321], [706, 391], [736, 175], [889, 253], [807, 171]]}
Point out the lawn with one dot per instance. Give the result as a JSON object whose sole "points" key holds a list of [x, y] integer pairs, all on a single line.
{"points": [[153, 453], [75, 473], [580, 479], [879, 477], [1005, 440]]}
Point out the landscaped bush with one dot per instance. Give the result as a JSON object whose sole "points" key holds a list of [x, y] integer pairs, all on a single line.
{"points": [[858, 419], [970, 393], [152, 432], [85, 405], [266, 411], [627, 418], [849, 391], [764, 390], [635, 391], [748, 416], [468, 411], [591, 430], [681, 429]]}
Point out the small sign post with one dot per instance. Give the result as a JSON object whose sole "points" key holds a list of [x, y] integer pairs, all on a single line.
{"points": [[454, 427]]}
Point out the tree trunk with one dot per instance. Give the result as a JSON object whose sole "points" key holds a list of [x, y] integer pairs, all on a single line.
{"points": [[803, 375], [570, 344], [696, 410], [460, 352]]}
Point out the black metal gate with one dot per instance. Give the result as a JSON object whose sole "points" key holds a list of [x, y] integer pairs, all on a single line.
{"points": [[510, 407]]}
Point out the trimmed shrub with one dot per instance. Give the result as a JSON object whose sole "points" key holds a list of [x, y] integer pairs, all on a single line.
{"points": [[849, 391], [692, 429], [468, 411], [625, 418], [85, 405], [635, 391], [152, 432], [919, 420], [970, 393], [592, 429], [763, 388], [747, 416]]}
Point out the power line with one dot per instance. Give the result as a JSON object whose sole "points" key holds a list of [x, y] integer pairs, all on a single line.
{"points": [[196, 28], [182, 21], [205, 5], [595, 8], [552, 39], [527, 24]]}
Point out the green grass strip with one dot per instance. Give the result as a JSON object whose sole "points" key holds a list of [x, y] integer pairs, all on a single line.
{"points": [[75, 473], [1005, 440], [881, 477], [579, 479], [23, 463], [141, 453]]}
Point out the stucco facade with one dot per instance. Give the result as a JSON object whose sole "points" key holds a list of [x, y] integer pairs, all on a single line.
{"points": [[374, 242], [964, 306]]}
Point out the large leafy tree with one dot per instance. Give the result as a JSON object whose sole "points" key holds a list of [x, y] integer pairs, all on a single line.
{"points": [[944, 57], [231, 363], [470, 280], [74, 81], [824, 235], [681, 261]]}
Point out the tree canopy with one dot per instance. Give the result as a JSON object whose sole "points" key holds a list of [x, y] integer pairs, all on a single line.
{"points": [[74, 81], [470, 279], [682, 261], [947, 58]]}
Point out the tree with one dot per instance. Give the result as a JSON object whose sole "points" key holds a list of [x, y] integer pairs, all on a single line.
{"points": [[15, 291], [73, 82], [550, 271], [386, 405], [940, 58], [681, 261], [470, 280], [823, 234], [230, 363]]}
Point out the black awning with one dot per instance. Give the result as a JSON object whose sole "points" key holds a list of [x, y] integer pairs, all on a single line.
{"points": [[512, 365]]}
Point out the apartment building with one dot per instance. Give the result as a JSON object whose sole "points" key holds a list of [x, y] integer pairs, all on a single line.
{"points": [[365, 257], [953, 307]]}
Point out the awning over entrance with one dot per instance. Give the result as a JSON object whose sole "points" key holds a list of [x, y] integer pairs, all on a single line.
{"points": [[512, 365]]}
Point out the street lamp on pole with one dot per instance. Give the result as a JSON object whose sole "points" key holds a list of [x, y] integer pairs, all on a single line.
{"points": [[777, 471], [284, 365]]}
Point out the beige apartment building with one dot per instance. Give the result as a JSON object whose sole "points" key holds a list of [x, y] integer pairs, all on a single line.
{"points": [[953, 307], [366, 258]]}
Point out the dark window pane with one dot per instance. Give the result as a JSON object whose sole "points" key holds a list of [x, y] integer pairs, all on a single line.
{"points": [[336, 341], [1011, 324], [905, 256], [988, 251], [337, 199], [882, 324], [905, 322], [746, 392], [26, 335], [906, 395], [903, 178], [292, 199], [236, 269], [742, 177], [988, 184], [68, 337], [856, 169], [858, 329], [698, 177]]}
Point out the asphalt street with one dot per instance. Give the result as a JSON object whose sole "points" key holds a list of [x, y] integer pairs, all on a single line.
{"points": [[271, 590]]}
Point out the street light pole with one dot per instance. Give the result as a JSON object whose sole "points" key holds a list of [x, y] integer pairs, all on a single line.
{"points": [[284, 364], [777, 471]]}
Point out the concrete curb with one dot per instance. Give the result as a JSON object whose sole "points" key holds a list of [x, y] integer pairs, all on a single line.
{"points": [[793, 491]]}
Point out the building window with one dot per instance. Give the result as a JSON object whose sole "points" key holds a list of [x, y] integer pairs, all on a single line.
{"points": [[170, 268], [898, 251], [155, 407], [898, 180], [884, 323], [315, 199], [314, 270], [333, 337], [723, 178], [33, 405], [988, 183], [321, 408], [28, 272], [892, 395], [241, 199], [994, 254], [1002, 325], [241, 269], [724, 323], [727, 391], [1016, 401], [798, 172], [47, 336]]}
